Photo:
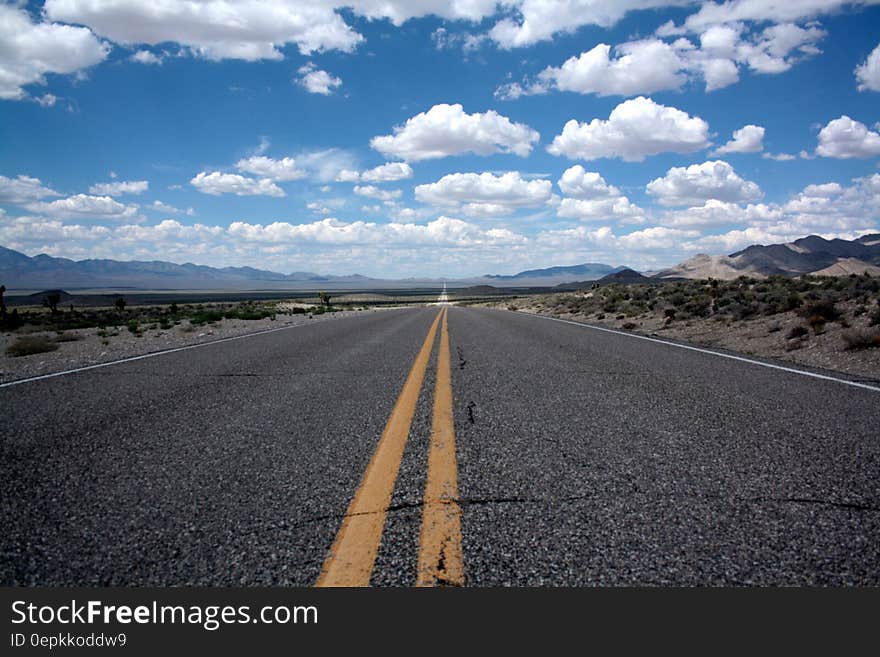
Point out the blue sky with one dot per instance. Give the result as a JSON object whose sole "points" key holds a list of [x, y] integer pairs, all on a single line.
{"points": [[435, 138]]}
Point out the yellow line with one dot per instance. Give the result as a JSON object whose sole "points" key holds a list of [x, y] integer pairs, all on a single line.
{"points": [[350, 561], [440, 557]]}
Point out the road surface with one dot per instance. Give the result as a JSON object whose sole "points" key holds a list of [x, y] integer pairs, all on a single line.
{"points": [[440, 445]]}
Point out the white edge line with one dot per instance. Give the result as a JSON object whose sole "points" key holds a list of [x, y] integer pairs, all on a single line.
{"points": [[708, 351], [149, 355]]}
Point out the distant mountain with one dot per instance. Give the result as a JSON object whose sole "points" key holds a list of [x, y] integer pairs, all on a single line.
{"points": [[808, 255], [42, 272], [585, 271], [589, 271], [625, 275]]}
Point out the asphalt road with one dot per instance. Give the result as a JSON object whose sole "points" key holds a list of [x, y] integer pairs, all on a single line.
{"points": [[583, 458]]}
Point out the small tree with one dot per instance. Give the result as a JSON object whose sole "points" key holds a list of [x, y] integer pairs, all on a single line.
{"points": [[325, 298], [51, 301], [120, 303]]}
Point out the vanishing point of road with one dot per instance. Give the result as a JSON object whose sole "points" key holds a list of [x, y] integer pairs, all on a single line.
{"points": [[440, 446]]}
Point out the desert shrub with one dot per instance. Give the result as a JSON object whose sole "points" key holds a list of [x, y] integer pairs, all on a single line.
{"points": [[68, 337], [31, 344], [698, 306], [134, 327], [860, 339], [206, 317], [797, 332], [600, 316], [678, 299], [817, 323], [875, 316], [824, 309], [12, 321], [512, 307], [629, 325]]}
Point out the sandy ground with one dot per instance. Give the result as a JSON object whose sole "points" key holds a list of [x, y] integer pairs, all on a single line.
{"points": [[765, 337], [120, 343]]}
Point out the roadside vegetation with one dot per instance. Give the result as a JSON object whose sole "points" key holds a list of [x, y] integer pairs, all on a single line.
{"points": [[809, 304], [41, 328]]}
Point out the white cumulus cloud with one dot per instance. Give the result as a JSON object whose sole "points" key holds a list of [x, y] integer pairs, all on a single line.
{"points": [[868, 72], [485, 194], [216, 183], [639, 67], [846, 138], [83, 205], [29, 50], [700, 182], [146, 57], [446, 130], [120, 188], [590, 198], [23, 189], [265, 167], [371, 191], [387, 172], [635, 129], [748, 139], [215, 29], [317, 81]]}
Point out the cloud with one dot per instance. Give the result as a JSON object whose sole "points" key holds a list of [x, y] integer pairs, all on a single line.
{"points": [[443, 231], [446, 130], [316, 81], [733, 11], [700, 182], [580, 183], [371, 191], [120, 188], [590, 198], [83, 205], [214, 29], [146, 57], [715, 213], [46, 100], [159, 206], [216, 183], [23, 189], [650, 65], [779, 157], [868, 72], [540, 20], [634, 130], [281, 170], [640, 67], [485, 194], [615, 208], [30, 50], [326, 165], [748, 139], [388, 172], [845, 138]]}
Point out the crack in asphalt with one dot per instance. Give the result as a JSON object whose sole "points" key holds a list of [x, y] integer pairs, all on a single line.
{"points": [[461, 360]]}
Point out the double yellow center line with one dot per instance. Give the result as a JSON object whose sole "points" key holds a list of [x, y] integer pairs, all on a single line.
{"points": [[350, 561]]}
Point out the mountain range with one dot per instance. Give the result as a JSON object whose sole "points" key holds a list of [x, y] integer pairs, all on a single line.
{"points": [[21, 272], [808, 255]]}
